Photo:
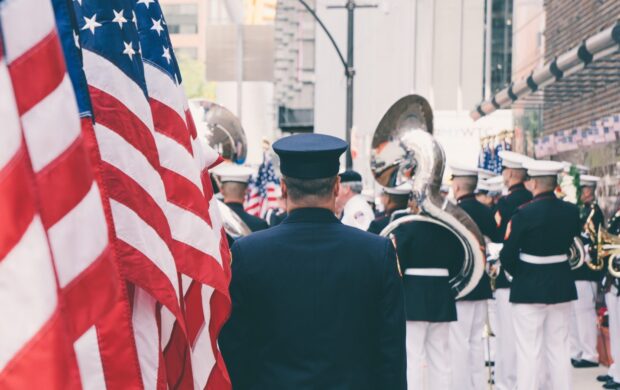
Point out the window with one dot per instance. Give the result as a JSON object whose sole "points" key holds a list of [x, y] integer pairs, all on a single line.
{"points": [[181, 18]]}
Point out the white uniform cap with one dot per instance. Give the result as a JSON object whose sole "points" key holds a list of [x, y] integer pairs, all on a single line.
{"points": [[588, 180], [513, 160], [483, 185], [538, 168], [582, 169], [463, 170], [484, 174], [228, 172], [494, 184], [403, 189]]}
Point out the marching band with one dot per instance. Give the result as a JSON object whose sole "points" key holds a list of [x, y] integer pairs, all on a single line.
{"points": [[296, 287]]}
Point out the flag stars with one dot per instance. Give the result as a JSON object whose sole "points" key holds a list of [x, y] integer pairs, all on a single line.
{"points": [[91, 23], [166, 54], [129, 51], [119, 18], [157, 26], [146, 2]]}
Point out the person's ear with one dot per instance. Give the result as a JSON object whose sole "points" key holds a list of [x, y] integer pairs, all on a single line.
{"points": [[284, 190], [337, 187]]}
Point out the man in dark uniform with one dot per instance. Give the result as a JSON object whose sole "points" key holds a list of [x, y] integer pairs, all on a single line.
{"points": [[430, 256], [584, 324], [233, 187], [514, 176], [466, 346], [315, 304], [538, 238], [612, 301], [397, 199]]}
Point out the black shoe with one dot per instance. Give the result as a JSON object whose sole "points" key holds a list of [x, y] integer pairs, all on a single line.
{"points": [[584, 364], [611, 385], [574, 361], [603, 378], [489, 364]]}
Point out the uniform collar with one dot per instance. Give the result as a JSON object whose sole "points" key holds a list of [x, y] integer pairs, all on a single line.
{"points": [[235, 206], [471, 196], [545, 195], [517, 187], [311, 214]]}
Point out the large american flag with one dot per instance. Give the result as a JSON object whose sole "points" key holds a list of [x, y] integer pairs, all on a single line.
{"points": [[262, 189], [114, 272]]}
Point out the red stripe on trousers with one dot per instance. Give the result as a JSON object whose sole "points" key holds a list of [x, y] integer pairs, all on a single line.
{"points": [[111, 113], [64, 183], [168, 122], [16, 200], [37, 72]]}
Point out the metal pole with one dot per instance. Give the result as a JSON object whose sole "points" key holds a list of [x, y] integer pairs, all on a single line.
{"points": [[487, 49], [350, 75]]}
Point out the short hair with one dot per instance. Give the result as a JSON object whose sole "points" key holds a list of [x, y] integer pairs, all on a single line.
{"points": [[547, 183], [355, 186], [299, 189], [400, 201], [233, 189], [518, 173], [467, 183]]}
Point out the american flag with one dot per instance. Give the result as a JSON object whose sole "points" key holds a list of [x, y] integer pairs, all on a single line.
{"points": [[262, 189], [142, 209]]}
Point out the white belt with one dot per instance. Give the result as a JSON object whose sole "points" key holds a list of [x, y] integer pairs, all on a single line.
{"points": [[543, 259], [427, 271]]}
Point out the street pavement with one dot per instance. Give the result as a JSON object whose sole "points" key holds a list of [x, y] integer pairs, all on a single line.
{"points": [[585, 378]]}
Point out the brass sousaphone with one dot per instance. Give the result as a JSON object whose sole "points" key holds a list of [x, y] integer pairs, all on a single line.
{"points": [[225, 134], [404, 150]]}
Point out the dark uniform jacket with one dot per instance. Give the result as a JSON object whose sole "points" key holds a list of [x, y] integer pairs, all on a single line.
{"points": [[584, 272], [483, 216], [254, 223], [315, 305], [504, 210], [382, 221], [423, 245], [544, 227]]}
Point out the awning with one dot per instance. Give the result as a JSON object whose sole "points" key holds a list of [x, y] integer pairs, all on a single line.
{"points": [[592, 52]]}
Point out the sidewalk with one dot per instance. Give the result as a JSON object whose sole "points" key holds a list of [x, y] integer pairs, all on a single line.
{"points": [[585, 378]]}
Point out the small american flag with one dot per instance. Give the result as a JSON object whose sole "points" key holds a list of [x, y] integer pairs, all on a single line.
{"points": [[262, 189]]}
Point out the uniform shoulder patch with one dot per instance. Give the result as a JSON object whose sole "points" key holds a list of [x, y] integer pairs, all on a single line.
{"points": [[359, 216]]}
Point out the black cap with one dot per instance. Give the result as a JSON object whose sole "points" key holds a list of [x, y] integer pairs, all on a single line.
{"points": [[350, 176], [309, 156]]}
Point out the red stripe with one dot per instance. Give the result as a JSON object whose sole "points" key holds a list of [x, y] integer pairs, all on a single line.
{"points": [[45, 362], [191, 126], [199, 266], [220, 311], [139, 269], [64, 183], [168, 122], [185, 194], [37, 72], [91, 294], [16, 201], [111, 113]]}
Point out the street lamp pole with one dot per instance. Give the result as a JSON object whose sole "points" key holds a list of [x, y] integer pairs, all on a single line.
{"points": [[349, 70]]}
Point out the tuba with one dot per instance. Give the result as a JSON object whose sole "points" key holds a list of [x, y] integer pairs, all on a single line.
{"points": [[591, 230], [225, 134], [404, 149], [608, 245]]}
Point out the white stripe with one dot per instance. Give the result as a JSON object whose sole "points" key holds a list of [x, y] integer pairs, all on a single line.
{"points": [[24, 23], [176, 158], [216, 222], [27, 291], [163, 89], [140, 235], [104, 75], [532, 259], [205, 153], [146, 337], [80, 237], [427, 272], [89, 361], [167, 324], [203, 359], [10, 136], [52, 125], [192, 230], [116, 151]]}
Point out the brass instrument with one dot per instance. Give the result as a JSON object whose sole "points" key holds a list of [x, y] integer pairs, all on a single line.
{"points": [[403, 149], [591, 230], [576, 254], [226, 135], [608, 245]]}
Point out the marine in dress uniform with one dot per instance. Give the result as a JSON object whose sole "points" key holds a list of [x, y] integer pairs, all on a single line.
{"points": [[233, 186], [538, 238], [356, 211], [583, 325], [316, 304], [466, 344], [612, 301], [429, 256], [513, 175], [397, 199]]}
